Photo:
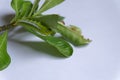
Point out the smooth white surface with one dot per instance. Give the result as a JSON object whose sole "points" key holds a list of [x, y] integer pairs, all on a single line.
{"points": [[100, 60]]}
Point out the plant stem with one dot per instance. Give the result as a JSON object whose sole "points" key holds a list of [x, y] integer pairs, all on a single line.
{"points": [[6, 27]]}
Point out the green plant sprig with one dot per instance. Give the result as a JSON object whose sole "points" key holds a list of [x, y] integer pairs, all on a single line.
{"points": [[31, 17]]}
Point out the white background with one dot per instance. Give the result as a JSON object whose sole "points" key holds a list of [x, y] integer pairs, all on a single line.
{"points": [[100, 60]]}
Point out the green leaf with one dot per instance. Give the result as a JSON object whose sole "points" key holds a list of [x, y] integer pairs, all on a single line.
{"points": [[16, 5], [26, 8], [4, 57], [35, 7], [75, 29], [49, 20], [72, 35], [42, 29], [62, 46], [30, 27], [48, 4]]}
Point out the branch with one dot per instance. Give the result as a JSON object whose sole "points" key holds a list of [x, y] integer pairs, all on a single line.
{"points": [[6, 27]]}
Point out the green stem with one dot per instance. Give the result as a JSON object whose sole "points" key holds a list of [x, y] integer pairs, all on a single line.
{"points": [[35, 6]]}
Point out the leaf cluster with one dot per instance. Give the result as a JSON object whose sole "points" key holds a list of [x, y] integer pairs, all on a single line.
{"points": [[31, 17]]}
